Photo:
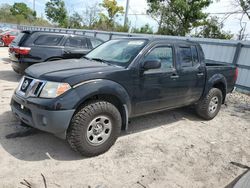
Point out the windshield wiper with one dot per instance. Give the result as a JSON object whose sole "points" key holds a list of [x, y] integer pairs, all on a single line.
{"points": [[84, 57], [100, 60]]}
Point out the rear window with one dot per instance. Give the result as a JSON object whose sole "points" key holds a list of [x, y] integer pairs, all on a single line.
{"points": [[52, 40], [18, 39]]}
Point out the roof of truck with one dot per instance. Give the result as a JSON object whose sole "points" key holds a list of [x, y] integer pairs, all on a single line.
{"points": [[152, 39]]}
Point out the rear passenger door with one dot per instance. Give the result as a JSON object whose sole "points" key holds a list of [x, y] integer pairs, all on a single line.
{"points": [[75, 47], [191, 73]]}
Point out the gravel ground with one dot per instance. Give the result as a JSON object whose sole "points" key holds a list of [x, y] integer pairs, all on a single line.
{"points": [[168, 149]]}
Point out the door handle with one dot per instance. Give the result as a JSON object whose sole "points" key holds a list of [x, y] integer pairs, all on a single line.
{"points": [[174, 76], [200, 74]]}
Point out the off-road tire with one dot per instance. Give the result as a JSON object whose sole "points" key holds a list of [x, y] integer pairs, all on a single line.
{"points": [[202, 108], [76, 134]]}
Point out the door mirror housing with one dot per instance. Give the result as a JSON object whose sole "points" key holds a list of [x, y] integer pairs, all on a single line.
{"points": [[152, 64]]}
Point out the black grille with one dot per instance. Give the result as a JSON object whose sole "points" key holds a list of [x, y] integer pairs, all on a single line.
{"points": [[38, 88]]}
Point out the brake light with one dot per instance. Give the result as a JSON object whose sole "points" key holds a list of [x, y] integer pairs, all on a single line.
{"points": [[236, 74], [20, 50], [24, 50]]}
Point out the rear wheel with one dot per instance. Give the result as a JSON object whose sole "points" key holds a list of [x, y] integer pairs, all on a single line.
{"points": [[94, 128], [210, 105]]}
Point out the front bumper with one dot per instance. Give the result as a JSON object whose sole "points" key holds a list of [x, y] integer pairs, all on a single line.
{"points": [[52, 121]]}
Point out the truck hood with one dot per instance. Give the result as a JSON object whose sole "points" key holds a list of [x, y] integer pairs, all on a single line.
{"points": [[63, 69]]}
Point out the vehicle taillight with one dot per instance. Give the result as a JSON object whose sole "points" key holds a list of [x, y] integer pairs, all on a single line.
{"points": [[236, 74], [24, 50], [20, 50]]}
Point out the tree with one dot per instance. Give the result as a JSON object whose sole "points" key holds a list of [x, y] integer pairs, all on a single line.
{"points": [[177, 17], [112, 9], [22, 9], [5, 12], [14, 17], [91, 15], [213, 29], [245, 7], [56, 12], [144, 29], [75, 21]]}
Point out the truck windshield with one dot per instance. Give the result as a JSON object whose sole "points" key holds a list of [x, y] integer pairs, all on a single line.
{"points": [[120, 52]]}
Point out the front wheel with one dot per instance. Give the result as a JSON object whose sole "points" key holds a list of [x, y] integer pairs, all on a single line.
{"points": [[94, 128], [210, 105]]}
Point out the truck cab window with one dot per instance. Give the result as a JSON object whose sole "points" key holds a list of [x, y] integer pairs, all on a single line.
{"points": [[186, 57], [164, 54]]}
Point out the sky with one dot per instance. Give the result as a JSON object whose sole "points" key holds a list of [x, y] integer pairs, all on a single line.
{"points": [[140, 6]]}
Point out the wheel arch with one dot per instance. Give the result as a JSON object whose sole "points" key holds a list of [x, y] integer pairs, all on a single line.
{"points": [[218, 81], [109, 91]]}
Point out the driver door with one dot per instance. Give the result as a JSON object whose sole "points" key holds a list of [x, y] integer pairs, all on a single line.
{"points": [[157, 87]]}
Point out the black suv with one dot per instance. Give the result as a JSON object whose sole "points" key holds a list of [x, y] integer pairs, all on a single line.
{"points": [[32, 47]]}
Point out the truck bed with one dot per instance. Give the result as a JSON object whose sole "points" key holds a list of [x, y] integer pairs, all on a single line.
{"points": [[226, 69], [212, 63]]}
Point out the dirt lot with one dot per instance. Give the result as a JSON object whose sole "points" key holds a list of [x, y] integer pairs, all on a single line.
{"points": [[169, 149]]}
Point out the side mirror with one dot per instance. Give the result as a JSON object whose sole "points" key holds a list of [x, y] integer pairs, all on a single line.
{"points": [[152, 64]]}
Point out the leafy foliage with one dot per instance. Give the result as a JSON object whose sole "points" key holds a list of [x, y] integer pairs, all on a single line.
{"points": [[21, 9], [20, 14], [75, 20], [213, 29], [144, 29], [245, 6], [56, 12], [177, 17], [106, 21], [112, 8]]}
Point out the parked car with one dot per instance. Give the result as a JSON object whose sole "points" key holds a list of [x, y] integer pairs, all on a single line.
{"points": [[7, 37], [89, 100], [32, 47]]}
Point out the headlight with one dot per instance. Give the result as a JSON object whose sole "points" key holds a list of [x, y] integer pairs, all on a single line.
{"points": [[54, 89]]}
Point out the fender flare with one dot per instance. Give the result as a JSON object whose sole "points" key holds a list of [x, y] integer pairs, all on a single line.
{"points": [[90, 88], [216, 79]]}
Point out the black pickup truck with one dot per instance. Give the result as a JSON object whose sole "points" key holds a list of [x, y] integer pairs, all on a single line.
{"points": [[89, 101]]}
